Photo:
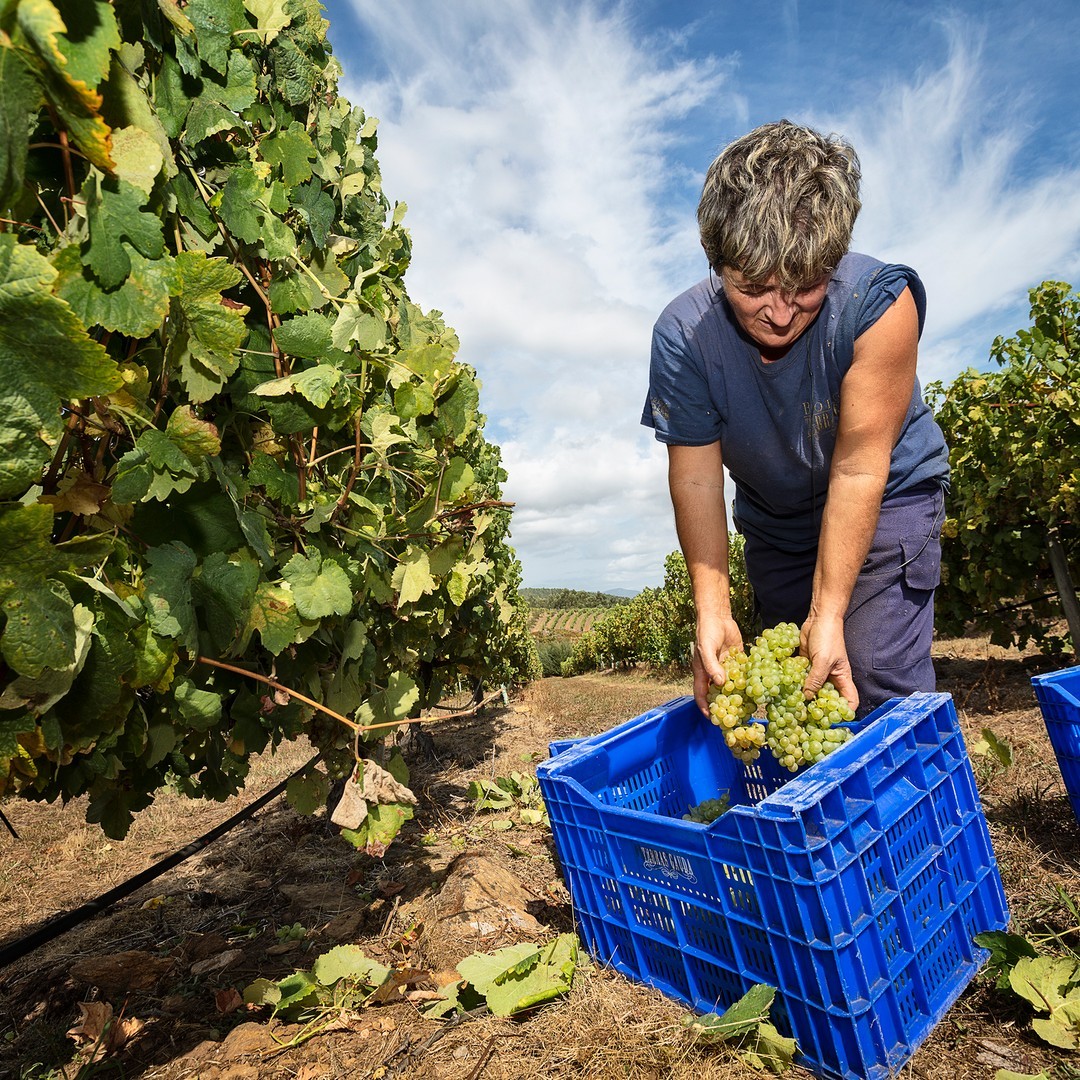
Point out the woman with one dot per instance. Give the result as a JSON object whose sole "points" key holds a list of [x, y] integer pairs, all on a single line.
{"points": [[793, 366]]}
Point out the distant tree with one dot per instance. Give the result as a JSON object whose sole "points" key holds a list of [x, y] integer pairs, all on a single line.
{"points": [[657, 627]]}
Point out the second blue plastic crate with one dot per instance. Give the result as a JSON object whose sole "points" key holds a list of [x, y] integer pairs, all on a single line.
{"points": [[854, 888], [1058, 695]]}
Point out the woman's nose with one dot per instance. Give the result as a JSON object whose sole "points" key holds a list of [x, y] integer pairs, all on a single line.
{"points": [[782, 308]]}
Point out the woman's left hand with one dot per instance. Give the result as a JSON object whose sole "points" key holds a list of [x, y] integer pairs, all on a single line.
{"points": [[822, 642]]}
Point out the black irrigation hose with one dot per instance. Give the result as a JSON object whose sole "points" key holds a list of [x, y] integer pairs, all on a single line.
{"points": [[62, 923]]}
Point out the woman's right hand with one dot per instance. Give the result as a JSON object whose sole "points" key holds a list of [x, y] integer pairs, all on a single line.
{"points": [[716, 637]]}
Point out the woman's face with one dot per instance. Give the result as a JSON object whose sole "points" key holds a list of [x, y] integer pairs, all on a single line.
{"points": [[774, 318]]}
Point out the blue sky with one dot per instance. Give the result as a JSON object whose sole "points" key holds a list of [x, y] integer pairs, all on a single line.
{"points": [[551, 155]]}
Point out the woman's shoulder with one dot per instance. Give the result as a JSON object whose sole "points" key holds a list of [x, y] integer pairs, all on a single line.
{"points": [[859, 270], [856, 267], [863, 287]]}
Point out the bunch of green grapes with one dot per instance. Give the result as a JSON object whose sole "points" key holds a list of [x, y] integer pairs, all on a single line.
{"points": [[709, 810], [770, 677]]}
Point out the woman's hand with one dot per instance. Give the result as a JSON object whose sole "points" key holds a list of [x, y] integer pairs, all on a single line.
{"points": [[715, 639], [822, 642]]}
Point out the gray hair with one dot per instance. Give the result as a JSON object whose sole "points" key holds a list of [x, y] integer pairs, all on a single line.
{"points": [[782, 200]]}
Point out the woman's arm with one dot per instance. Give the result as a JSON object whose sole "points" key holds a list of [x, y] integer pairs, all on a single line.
{"points": [[874, 399], [696, 482]]}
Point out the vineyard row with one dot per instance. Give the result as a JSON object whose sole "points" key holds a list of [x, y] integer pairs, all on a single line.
{"points": [[565, 621]]}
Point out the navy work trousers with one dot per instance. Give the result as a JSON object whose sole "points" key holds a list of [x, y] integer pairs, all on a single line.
{"points": [[890, 621]]}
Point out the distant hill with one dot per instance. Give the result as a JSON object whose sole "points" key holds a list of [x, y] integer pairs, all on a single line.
{"points": [[559, 599]]}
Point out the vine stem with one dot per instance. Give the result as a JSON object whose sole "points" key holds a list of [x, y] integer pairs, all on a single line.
{"points": [[52, 220], [69, 173], [323, 457], [275, 685], [350, 724], [21, 224], [48, 485], [353, 473]]}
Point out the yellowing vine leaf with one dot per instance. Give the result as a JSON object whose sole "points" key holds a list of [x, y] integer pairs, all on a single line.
{"points": [[412, 578], [271, 17]]}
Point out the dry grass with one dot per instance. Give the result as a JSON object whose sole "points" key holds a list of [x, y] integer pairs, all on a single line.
{"points": [[60, 861], [279, 869]]}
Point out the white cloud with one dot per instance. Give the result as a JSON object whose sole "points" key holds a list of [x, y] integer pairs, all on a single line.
{"points": [[529, 140], [946, 191]]}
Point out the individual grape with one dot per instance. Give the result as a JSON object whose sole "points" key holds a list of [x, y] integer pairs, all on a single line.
{"points": [[768, 678]]}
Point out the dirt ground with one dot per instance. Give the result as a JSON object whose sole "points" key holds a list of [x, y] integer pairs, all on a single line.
{"points": [[277, 890]]}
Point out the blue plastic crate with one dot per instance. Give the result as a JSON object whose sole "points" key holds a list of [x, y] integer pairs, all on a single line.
{"points": [[855, 888], [1058, 695]]}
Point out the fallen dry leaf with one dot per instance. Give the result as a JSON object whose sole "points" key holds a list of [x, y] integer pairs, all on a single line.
{"points": [[217, 963], [227, 1001], [997, 1055], [424, 995], [282, 947], [396, 983], [94, 1016], [99, 1029]]}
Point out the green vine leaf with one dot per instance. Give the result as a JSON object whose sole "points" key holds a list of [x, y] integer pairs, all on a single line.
{"points": [[319, 588], [19, 95], [292, 151], [413, 578], [200, 708], [306, 336], [274, 617], [207, 331], [113, 210], [46, 360], [167, 583], [63, 74], [38, 695], [215, 23], [84, 48], [136, 308]]}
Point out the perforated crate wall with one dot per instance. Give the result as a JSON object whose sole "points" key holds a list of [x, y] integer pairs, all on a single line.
{"points": [[1058, 695], [854, 888]]}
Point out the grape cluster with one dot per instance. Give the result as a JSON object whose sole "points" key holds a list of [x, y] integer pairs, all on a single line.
{"points": [[768, 676], [709, 810]]}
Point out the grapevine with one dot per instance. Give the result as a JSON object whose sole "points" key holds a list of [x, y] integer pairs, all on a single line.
{"points": [[1010, 499], [769, 676], [245, 492]]}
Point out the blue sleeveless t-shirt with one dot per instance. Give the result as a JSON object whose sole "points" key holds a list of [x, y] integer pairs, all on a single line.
{"points": [[776, 423]]}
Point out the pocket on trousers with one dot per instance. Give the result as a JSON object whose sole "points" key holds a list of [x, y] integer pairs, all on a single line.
{"points": [[902, 638], [920, 557]]}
